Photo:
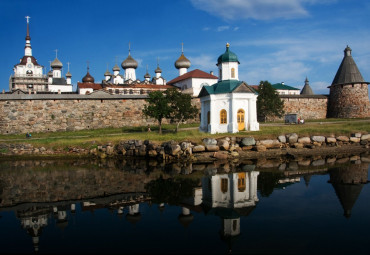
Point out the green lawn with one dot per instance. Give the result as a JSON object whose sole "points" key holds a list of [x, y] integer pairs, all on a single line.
{"points": [[189, 132]]}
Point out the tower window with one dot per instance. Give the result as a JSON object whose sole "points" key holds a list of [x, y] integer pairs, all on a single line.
{"points": [[232, 72], [224, 185]]}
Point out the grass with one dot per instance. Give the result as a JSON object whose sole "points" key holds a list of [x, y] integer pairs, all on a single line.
{"points": [[90, 138]]}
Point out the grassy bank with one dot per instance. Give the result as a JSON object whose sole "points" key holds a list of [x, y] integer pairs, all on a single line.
{"points": [[88, 138]]}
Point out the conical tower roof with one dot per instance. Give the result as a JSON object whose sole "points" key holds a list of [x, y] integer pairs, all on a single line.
{"points": [[307, 90], [348, 72]]}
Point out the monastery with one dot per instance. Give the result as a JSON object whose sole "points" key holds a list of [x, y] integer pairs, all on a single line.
{"points": [[39, 102]]}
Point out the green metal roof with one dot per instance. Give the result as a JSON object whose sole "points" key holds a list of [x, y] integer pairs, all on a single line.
{"points": [[283, 87], [228, 56], [225, 86]]}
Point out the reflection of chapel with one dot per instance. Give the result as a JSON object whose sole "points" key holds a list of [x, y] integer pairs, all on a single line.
{"points": [[229, 105]]}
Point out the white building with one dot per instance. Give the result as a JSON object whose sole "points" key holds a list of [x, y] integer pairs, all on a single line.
{"points": [[193, 81], [283, 89], [230, 105]]}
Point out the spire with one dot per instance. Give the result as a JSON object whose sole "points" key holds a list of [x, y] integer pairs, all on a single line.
{"points": [[68, 74], [307, 90], [28, 49], [348, 72]]}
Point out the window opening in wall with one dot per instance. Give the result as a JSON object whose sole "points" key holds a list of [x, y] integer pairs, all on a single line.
{"points": [[223, 117], [232, 72], [224, 185], [235, 223], [208, 117]]}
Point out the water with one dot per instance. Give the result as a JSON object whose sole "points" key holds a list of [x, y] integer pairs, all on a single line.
{"points": [[301, 206]]}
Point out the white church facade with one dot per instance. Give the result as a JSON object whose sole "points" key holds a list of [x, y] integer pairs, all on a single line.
{"points": [[230, 105]]}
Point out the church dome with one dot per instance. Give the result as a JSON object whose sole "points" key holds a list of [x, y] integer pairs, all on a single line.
{"points": [[88, 78], [56, 63], [228, 56], [147, 75], [129, 62], [116, 68], [68, 74], [107, 73], [182, 62], [158, 70]]}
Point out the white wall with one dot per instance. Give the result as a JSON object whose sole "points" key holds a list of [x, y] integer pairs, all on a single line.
{"points": [[62, 88]]}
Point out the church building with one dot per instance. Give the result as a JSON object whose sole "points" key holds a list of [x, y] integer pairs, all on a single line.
{"points": [[230, 105]]}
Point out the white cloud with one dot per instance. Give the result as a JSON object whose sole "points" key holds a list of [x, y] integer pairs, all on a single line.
{"points": [[236, 28], [259, 10], [222, 28], [203, 62]]}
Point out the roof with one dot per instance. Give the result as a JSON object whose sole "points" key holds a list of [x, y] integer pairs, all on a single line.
{"points": [[56, 63], [228, 56], [182, 62], [282, 86], [307, 90], [193, 74], [348, 72], [24, 61], [226, 86], [94, 86]]}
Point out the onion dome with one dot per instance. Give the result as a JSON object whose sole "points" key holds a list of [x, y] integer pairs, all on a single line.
{"points": [[115, 68], [228, 56], [107, 73], [56, 63], [182, 62], [185, 220], [147, 75], [129, 62], [158, 69], [88, 78], [68, 75]]}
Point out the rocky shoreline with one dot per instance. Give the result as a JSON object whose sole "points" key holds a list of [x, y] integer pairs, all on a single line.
{"points": [[210, 149]]}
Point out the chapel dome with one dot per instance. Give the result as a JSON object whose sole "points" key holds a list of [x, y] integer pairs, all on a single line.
{"points": [[158, 70], [129, 62], [182, 62], [147, 75], [68, 75], [107, 73], [56, 63], [116, 68], [88, 78], [228, 56]]}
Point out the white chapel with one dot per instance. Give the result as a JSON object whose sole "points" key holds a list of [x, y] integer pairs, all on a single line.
{"points": [[230, 105]]}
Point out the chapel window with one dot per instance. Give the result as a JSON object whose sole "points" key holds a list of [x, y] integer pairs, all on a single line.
{"points": [[223, 117], [232, 72], [224, 185]]}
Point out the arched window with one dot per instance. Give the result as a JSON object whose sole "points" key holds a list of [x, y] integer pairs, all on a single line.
{"points": [[223, 117], [232, 72], [241, 182]]}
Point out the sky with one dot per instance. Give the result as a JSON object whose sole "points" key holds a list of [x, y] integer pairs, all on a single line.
{"points": [[275, 40]]}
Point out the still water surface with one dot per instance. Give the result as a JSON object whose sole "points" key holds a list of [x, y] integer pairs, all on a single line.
{"points": [[304, 206]]}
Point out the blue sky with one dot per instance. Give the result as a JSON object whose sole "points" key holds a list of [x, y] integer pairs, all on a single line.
{"points": [[275, 40]]}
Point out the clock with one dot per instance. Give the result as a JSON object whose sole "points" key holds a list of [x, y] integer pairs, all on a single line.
{"points": [[29, 65]]}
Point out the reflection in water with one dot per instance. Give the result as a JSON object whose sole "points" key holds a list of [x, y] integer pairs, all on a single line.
{"points": [[229, 192]]}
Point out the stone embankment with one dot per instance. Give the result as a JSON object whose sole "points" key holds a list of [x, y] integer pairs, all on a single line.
{"points": [[210, 149]]}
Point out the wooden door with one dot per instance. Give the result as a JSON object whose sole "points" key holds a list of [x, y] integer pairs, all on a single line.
{"points": [[240, 119]]}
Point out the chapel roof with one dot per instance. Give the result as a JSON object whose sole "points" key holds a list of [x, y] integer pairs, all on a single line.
{"points": [[193, 74], [226, 86], [282, 86], [228, 56], [24, 61], [56, 63], [348, 73]]}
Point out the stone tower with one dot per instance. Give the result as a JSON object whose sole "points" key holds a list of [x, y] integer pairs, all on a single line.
{"points": [[349, 96]]}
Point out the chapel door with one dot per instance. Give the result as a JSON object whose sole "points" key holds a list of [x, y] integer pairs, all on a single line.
{"points": [[240, 119]]}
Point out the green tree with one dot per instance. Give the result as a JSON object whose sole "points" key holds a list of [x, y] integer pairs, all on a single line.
{"points": [[158, 107], [269, 103], [182, 109]]}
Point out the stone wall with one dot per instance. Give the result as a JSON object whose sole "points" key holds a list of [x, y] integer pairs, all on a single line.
{"points": [[38, 113], [349, 101], [307, 107]]}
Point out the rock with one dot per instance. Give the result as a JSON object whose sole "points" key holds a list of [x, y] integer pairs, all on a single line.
{"points": [[109, 150], [354, 139], [261, 148], [212, 148], [175, 149], [318, 138], [298, 145], [269, 143], [342, 138], [209, 141], [220, 155], [365, 137], [318, 162], [152, 153], [331, 160], [357, 134], [331, 140], [247, 148], [185, 146], [199, 148], [223, 144], [304, 140], [292, 138], [282, 138], [234, 154], [248, 141]]}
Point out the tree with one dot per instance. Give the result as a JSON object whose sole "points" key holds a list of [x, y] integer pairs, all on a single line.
{"points": [[158, 107], [269, 103], [182, 109]]}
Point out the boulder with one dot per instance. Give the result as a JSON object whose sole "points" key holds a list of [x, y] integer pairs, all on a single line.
{"points": [[304, 140], [209, 141], [199, 148], [212, 148], [248, 141], [365, 137], [318, 138], [223, 144], [282, 138], [292, 138], [331, 140], [354, 139], [342, 138], [270, 143], [261, 148], [220, 155]]}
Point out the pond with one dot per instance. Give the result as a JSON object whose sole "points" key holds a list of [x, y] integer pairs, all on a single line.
{"points": [[266, 206]]}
